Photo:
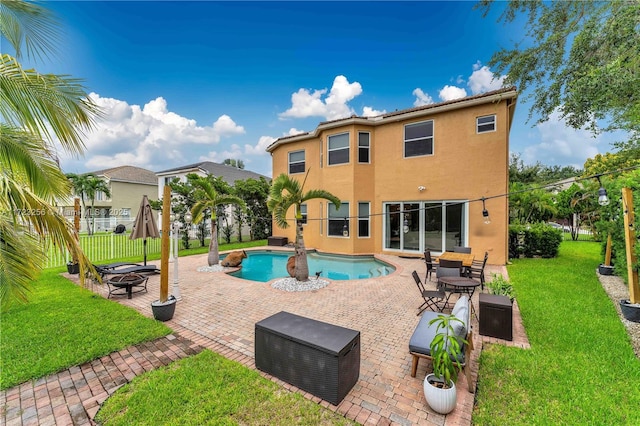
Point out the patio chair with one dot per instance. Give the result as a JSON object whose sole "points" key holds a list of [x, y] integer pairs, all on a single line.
{"points": [[447, 268], [460, 249], [430, 297], [431, 265], [476, 271]]}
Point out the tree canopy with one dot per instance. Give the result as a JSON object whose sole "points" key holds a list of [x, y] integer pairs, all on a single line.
{"points": [[580, 58]]}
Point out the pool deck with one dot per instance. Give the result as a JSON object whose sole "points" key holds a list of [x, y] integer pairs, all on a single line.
{"points": [[219, 312]]}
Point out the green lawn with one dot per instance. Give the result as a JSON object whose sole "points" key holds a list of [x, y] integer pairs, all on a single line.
{"points": [[208, 389], [65, 325], [580, 369]]}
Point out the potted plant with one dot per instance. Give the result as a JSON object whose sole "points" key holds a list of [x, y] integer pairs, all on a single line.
{"points": [[446, 351]]}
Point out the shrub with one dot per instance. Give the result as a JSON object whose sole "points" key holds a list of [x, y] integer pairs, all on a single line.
{"points": [[534, 240]]}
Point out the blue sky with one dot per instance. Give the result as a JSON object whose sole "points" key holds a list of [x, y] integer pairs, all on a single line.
{"points": [[182, 82]]}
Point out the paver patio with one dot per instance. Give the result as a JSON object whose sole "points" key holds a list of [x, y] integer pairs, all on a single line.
{"points": [[219, 312]]}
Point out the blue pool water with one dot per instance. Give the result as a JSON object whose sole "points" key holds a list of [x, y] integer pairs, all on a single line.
{"points": [[264, 265]]}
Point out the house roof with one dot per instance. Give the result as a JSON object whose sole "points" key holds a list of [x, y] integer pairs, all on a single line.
{"points": [[405, 114], [129, 174], [228, 173]]}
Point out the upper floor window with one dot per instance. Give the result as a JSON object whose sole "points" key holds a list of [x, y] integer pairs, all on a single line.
{"points": [[338, 149], [363, 147], [338, 219], [418, 139], [169, 179], [486, 123], [296, 162]]}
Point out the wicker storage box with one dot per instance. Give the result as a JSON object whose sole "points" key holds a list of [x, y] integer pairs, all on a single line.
{"points": [[320, 358], [496, 316]]}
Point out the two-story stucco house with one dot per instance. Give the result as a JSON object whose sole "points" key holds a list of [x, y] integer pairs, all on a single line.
{"points": [[127, 185], [408, 180]]}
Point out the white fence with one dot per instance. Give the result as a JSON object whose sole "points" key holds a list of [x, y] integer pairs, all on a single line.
{"points": [[105, 247]]}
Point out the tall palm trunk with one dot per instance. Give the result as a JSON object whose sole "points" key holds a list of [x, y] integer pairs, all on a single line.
{"points": [[214, 257], [302, 267]]}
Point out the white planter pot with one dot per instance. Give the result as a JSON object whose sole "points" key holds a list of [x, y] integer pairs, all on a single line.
{"points": [[442, 401]]}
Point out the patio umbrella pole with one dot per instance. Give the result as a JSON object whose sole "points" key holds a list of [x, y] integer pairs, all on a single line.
{"points": [[164, 259]]}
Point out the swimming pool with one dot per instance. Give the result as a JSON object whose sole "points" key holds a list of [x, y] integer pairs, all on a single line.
{"points": [[265, 265]]}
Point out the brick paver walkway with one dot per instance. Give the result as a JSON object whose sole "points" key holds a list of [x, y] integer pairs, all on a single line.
{"points": [[219, 312]]}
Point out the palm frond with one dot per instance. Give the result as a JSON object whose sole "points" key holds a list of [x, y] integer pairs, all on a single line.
{"points": [[320, 193], [45, 104], [31, 25], [27, 160]]}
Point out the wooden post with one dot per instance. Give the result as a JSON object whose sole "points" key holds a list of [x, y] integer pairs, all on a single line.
{"points": [[630, 240], [607, 254], [164, 257]]}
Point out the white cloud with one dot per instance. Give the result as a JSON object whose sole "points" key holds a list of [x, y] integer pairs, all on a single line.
{"points": [[370, 112], [421, 98], [261, 147], [292, 132], [306, 103], [555, 143], [149, 137], [449, 93], [482, 79]]}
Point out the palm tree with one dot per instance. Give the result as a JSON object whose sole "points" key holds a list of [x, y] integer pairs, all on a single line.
{"points": [[87, 186], [34, 108], [94, 186], [286, 192], [207, 199]]}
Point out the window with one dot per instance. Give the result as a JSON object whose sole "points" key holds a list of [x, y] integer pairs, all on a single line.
{"points": [[338, 149], [486, 123], [418, 139], [338, 218], [363, 219], [303, 212], [296, 162], [169, 179], [363, 147]]}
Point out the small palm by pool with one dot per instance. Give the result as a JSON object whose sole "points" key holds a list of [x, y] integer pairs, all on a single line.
{"points": [[265, 265]]}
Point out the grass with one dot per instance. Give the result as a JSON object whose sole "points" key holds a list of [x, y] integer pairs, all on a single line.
{"points": [[208, 389], [65, 325], [580, 369]]}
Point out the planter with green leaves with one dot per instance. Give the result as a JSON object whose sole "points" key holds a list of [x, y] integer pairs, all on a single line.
{"points": [[500, 286], [446, 353]]}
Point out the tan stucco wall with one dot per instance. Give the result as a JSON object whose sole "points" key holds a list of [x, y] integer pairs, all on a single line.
{"points": [[464, 166]]}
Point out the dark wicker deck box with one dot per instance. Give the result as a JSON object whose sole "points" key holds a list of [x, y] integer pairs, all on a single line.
{"points": [[320, 358], [496, 316], [277, 241]]}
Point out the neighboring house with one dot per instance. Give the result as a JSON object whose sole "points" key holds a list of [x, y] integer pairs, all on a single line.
{"points": [[408, 180], [127, 185], [228, 173]]}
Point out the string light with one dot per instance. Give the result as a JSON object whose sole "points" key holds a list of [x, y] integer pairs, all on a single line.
{"points": [[485, 213], [603, 200]]}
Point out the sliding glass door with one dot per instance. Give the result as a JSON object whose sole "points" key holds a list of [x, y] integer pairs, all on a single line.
{"points": [[413, 227]]}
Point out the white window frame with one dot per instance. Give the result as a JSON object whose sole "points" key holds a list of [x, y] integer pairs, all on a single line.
{"points": [[303, 213], [364, 218], [367, 147], [492, 123], [297, 162], [341, 218], [427, 139], [330, 150]]}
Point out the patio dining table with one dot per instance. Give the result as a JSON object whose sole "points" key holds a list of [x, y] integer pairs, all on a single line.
{"points": [[460, 285], [466, 258]]}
